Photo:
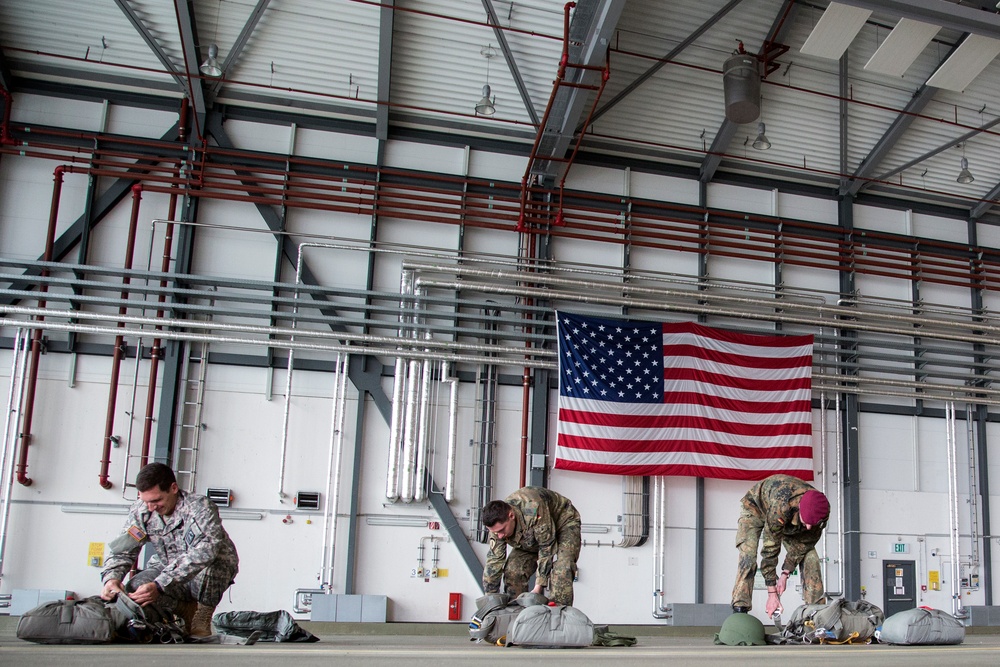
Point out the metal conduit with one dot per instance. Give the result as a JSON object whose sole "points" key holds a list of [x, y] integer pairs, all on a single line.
{"points": [[836, 312], [452, 381], [898, 262], [15, 397]]}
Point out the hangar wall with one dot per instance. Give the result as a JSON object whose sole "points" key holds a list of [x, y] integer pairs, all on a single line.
{"points": [[53, 523]]}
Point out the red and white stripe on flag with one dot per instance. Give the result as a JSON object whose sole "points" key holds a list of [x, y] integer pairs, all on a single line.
{"points": [[729, 405]]}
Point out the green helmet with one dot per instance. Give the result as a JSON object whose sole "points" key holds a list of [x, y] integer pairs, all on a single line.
{"points": [[741, 630]]}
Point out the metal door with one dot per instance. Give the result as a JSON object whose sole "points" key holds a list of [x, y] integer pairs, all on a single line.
{"points": [[899, 586]]}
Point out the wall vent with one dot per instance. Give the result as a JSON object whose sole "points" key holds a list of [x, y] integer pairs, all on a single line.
{"points": [[307, 500], [221, 497]]}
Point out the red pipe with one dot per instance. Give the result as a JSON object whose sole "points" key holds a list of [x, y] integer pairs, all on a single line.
{"points": [[116, 360], [8, 103], [529, 254], [154, 353], [36, 336]]}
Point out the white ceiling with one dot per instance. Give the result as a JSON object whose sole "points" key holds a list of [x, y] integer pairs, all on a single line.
{"points": [[420, 66]]}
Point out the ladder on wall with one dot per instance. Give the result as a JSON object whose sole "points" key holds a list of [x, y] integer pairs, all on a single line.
{"points": [[484, 447], [190, 424]]}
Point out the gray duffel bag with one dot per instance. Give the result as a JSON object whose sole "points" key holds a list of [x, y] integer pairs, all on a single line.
{"points": [[87, 621], [922, 626], [551, 627]]}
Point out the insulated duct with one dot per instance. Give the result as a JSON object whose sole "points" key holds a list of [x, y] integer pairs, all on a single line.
{"points": [[741, 86]]}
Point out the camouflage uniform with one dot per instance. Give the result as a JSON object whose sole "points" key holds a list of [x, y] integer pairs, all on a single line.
{"points": [[547, 538], [771, 507], [194, 557]]}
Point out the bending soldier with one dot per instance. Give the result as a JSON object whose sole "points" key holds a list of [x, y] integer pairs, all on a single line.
{"points": [[194, 560], [788, 512], [543, 530]]}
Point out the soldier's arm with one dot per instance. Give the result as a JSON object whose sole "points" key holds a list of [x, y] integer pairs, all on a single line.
{"points": [[203, 536], [545, 533], [121, 560], [495, 560], [769, 551], [796, 549]]}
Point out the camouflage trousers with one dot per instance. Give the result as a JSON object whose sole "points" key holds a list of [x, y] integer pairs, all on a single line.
{"points": [[206, 588], [748, 532], [521, 565]]}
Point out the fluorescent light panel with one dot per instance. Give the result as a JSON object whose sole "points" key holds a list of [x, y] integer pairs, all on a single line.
{"points": [[906, 41], [966, 63], [835, 31]]}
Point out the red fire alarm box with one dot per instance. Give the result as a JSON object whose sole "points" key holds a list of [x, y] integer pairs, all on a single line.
{"points": [[454, 606]]}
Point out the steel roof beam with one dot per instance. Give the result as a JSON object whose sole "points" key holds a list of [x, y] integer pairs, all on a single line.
{"points": [[151, 42], [6, 77], [590, 32], [726, 132], [946, 14], [385, 33], [642, 78], [189, 42], [916, 105], [508, 56], [233, 56]]}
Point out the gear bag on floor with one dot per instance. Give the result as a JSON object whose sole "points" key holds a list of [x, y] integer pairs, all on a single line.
{"points": [[86, 621], [269, 626], [922, 626], [542, 626], [838, 622], [494, 614]]}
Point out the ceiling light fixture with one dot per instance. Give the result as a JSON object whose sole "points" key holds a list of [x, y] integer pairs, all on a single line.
{"points": [[761, 143], [486, 106], [965, 176], [211, 65]]}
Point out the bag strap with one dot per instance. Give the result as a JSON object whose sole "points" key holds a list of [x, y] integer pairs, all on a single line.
{"points": [[66, 612]]}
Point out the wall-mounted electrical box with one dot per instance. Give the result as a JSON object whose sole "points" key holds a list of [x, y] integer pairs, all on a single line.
{"points": [[307, 500], [221, 497]]}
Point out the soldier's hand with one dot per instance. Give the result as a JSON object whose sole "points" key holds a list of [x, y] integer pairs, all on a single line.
{"points": [[145, 594], [782, 583], [112, 587], [773, 604]]}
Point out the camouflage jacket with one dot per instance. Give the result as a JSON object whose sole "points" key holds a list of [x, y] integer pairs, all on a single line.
{"points": [[540, 514], [184, 543], [776, 499]]}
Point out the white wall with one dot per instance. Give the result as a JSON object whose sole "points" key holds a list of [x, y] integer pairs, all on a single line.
{"points": [[902, 484]]}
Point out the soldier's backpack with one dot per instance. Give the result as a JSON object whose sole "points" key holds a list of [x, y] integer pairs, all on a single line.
{"points": [[922, 626], [542, 626], [145, 625], [838, 622], [494, 614], [86, 621]]}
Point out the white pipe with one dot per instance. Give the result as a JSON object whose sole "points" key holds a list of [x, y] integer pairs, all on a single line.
{"points": [[288, 379], [659, 544], [449, 481], [337, 447], [423, 428], [15, 397], [409, 431], [325, 576], [399, 383], [395, 431], [956, 584], [840, 493]]}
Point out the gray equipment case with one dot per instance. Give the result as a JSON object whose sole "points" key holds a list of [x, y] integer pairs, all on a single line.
{"points": [[542, 626], [922, 626], [85, 621]]}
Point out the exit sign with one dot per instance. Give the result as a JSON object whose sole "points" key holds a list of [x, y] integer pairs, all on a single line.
{"points": [[900, 548]]}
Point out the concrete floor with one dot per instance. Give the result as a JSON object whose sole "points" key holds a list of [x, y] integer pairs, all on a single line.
{"points": [[439, 645]]}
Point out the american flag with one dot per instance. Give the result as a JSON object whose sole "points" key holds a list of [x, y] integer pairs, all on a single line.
{"points": [[646, 398]]}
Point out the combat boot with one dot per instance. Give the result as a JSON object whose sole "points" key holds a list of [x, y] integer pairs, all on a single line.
{"points": [[186, 610], [201, 622]]}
